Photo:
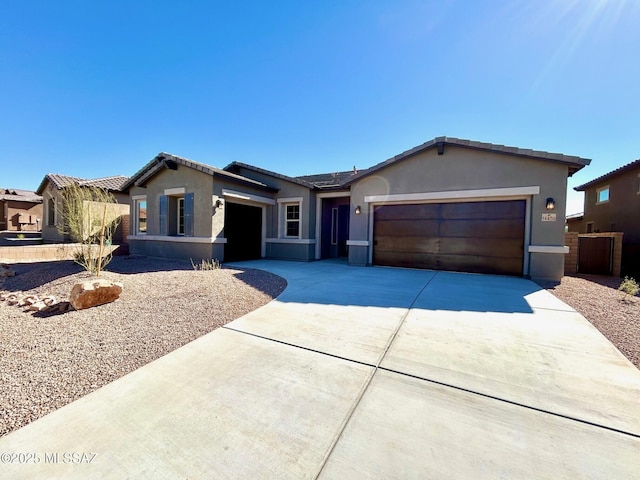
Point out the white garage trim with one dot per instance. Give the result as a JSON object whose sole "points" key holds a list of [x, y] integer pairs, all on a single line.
{"points": [[455, 195], [247, 197], [358, 243], [548, 249]]}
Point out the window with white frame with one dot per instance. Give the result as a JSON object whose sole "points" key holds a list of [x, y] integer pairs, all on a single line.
{"points": [[290, 217], [175, 210], [602, 194], [140, 212], [292, 220]]}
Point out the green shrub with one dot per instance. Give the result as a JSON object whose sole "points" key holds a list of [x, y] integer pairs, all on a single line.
{"points": [[206, 264], [629, 287]]}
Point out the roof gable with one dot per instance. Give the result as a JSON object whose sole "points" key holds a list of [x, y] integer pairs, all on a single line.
{"points": [[574, 163], [113, 183], [16, 195], [611, 174], [166, 160], [236, 166]]}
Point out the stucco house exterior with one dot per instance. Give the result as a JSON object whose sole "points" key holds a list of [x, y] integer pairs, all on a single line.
{"points": [[20, 210], [51, 189], [448, 204], [612, 204]]}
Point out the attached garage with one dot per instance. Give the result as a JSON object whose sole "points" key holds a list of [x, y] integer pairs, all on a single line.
{"points": [[477, 237], [243, 231]]}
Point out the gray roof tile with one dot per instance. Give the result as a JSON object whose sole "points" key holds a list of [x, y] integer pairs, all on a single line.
{"points": [[606, 176]]}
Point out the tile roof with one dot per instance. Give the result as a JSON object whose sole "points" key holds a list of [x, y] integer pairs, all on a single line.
{"points": [[574, 163], [113, 183], [19, 195], [329, 180], [236, 166], [163, 160], [606, 176]]}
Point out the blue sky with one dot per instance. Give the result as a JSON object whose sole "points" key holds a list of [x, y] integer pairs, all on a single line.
{"points": [[93, 89]]}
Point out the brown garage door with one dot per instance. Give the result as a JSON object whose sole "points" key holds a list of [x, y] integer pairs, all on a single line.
{"points": [[479, 237]]}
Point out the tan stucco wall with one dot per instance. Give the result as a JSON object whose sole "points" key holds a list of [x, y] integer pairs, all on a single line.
{"points": [[466, 169], [193, 181], [21, 212], [622, 212], [50, 233]]}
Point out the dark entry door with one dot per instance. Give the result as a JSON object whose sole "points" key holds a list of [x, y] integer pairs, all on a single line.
{"points": [[478, 237], [335, 227], [594, 255], [243, 231]]}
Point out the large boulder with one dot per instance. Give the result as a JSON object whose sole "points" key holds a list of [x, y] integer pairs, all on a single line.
{"points": [[94, 292]]}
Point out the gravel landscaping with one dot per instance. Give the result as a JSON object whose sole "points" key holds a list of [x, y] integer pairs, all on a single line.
{"points": [[597, 298], [47, 360]]}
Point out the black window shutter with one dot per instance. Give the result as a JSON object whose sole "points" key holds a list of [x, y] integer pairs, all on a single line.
{"points": [[163, 208], [188, 214]]}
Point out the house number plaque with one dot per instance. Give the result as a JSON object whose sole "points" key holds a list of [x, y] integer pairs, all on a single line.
{"points": [[548, 217]]}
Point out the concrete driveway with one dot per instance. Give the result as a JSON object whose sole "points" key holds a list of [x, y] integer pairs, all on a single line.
{"points": [[362, 373]]}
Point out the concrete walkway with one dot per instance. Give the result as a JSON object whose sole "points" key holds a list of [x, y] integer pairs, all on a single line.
{"points": [[359, 373]]}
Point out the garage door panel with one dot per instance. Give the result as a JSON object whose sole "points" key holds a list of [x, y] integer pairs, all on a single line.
{"points": [[478, 264], [482, 210], [497, 247], [398, 259], [412, 244], [406, 228], [421, 211], [479, 237], [490, 228]]}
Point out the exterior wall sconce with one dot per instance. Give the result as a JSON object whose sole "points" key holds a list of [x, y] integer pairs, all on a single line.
{"points": [[358, 210], [551, 204], [217, 205]]}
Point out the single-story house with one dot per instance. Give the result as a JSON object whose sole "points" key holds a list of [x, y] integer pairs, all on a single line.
{"points": [[448, 204], [20, 210], [612, 204], [51, 189]]}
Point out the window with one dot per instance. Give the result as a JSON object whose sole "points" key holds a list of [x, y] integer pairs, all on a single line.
{"points": [[334, 226], [602, 195], [290, 217], [590, 227], [176, 214], [140, 211], [293, 220], [180, 219], [51, 212]]}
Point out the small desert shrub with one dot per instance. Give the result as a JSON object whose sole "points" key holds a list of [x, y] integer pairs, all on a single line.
{"points": [[206, 264], [90, 263], [629, 288]]}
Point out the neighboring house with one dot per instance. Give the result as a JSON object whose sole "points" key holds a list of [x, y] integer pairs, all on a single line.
{"points": [[448, 204], [51, 189], [575, 222], [20, 210], [612, 204]]}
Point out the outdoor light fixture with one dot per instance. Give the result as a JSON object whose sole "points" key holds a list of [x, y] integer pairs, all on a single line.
{"points": [[551, 204], [217, 205], [358, 210]]}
